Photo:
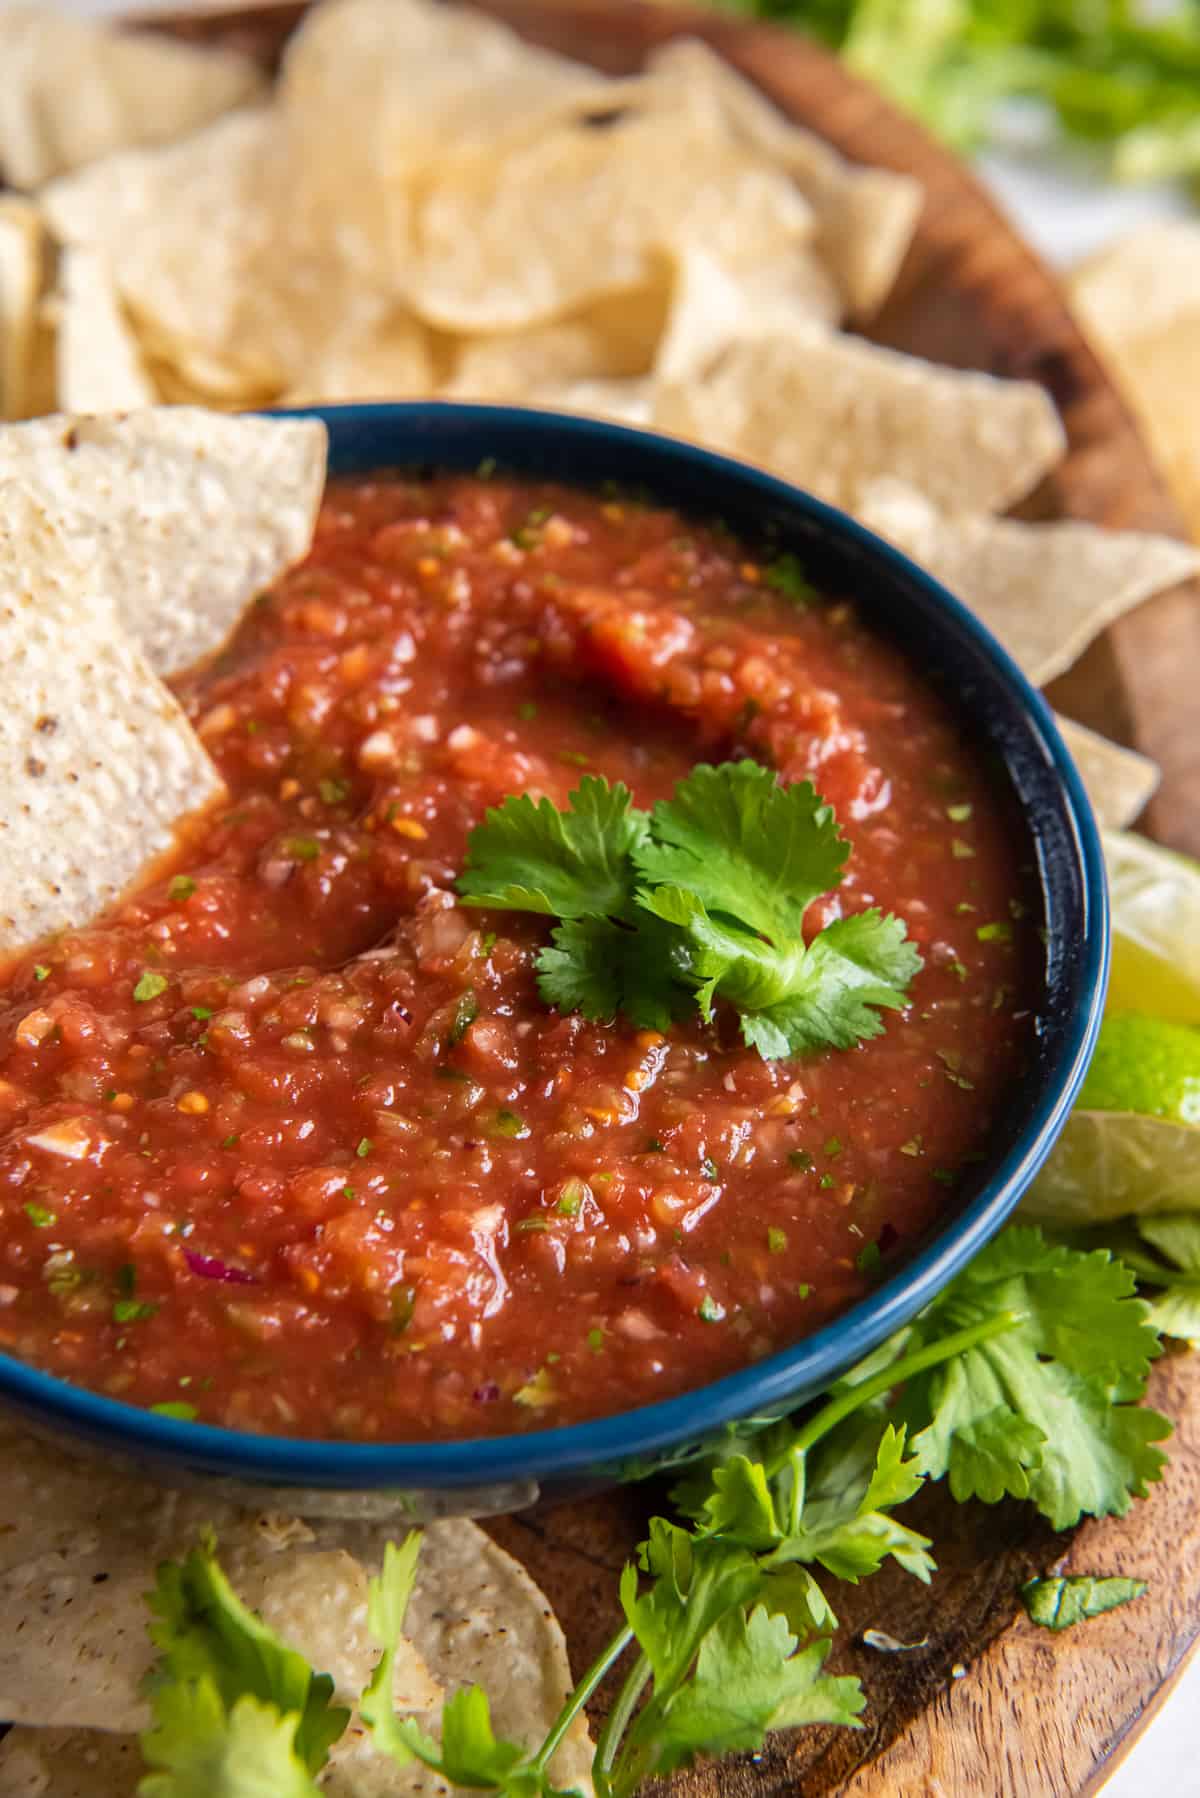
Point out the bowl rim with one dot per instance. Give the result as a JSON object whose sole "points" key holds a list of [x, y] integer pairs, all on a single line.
{"points": [[649, 1431]]}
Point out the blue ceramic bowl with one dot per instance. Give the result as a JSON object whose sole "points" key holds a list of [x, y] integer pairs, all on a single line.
{"points": [[1002, 713]]}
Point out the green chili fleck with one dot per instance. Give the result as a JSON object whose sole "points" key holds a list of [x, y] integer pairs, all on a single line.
{"points": [[465, 1014], [508, 1123]]}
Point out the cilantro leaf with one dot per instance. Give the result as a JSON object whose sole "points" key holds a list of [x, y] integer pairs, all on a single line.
{"points": [[387, 1602], [854, 967], [1058, 1603], [204, 1632], [844, 1525], [794, 999], [1175, 1306], [786, 575], [695, 1583], [826, 1506], [748, 1679], [471, 1754], [599, 968], [745, 846], [529, 856], [702, 899], [198, 1748], [1038, 1411]]}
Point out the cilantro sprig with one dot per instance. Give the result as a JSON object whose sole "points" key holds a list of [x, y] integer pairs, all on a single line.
{"points": [[1023, 1379], [700, 900]]}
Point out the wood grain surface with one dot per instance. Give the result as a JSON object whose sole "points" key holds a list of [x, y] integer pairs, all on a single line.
{"points": [[985, 1706]]}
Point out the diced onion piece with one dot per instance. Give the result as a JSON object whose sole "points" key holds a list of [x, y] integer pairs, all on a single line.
{"points": [[71, 1138]]}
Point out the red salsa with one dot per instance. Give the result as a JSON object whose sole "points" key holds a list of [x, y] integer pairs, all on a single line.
{"points": [[290, 1142]]}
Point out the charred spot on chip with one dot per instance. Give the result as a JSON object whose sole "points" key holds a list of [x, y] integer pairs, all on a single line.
{"points": [[33, 767], [46, 723]]}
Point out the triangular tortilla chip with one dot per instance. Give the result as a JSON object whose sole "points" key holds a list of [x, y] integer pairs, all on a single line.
{"points": [[424, 85], [99, 366], [1046, 590], [484, 259], [188, 514], [865, 217], [714, 307], [1119, 781], [834, 414], [76, 89], [147, 211], [98, 765]]}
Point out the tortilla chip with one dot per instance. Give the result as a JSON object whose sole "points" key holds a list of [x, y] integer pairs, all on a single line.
{"points": [[78, 1561], [423, 85], [21, 258], [865, 217], [714, 308], [1046, 590], [69, 1763], [147, 211], [98, 363], [834, 414], [485, 259], [79, 1541], [76, 89], [1140, 303], [380, 358], [1142, 283], [100, 765], [463, 1616], [188, 515], [613, 340], [1119, 781]]}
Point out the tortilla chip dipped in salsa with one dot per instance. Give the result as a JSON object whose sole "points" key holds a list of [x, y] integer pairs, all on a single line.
{"points": [[184, 516], [586, 880], [107, 564]]}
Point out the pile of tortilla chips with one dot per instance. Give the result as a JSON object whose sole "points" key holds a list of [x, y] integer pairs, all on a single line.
{"points": [[425, 205], [79, 1543]]}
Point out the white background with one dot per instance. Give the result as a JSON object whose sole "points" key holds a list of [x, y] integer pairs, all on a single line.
{"points": [[1066, 209]]}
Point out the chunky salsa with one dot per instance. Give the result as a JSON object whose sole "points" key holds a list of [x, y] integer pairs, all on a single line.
{"points": [[290, 1141]]}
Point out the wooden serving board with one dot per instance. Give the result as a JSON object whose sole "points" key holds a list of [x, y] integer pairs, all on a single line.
{"points": [[986, 1706]]}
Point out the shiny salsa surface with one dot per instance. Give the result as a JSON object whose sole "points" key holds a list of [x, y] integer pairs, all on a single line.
{"points": [[290, 1142]]}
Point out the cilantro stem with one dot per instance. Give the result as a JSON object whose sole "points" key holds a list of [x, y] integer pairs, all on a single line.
{"points": [[617, 1721], [895, 1374], [608, 1655]]}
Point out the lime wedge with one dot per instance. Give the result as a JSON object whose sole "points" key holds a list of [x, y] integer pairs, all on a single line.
{"points": [[1156, 928], [1110, 1164], [1132, 1144], [1145, 1064]]}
